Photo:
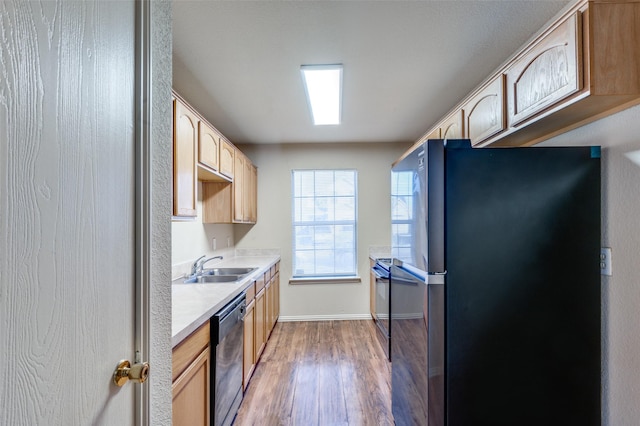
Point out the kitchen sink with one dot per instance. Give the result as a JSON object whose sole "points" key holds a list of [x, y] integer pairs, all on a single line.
{"points": [[228, 271], [219, 275]]}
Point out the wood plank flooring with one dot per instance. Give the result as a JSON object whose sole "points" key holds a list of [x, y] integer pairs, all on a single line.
{"points": [[328, 373]]}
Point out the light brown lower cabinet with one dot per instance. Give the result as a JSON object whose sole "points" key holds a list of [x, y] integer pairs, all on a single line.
{"points": [[261, 315], [249, 360], [191, 372], [259, 324], [372, 289]]}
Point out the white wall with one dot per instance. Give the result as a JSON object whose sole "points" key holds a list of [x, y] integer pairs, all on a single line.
{"points": [[619, 135], [192, 239], [273, 230]]}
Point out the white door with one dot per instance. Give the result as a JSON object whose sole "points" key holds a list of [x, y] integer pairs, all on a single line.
{"points": [[67, 221]]}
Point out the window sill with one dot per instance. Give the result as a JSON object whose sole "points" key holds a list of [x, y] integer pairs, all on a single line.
{"points": [[326, 280]]}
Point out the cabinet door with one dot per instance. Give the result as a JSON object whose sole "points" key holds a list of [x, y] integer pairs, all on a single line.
{"points": [[372, 290], [435, 134], [549, 72], [238, 188], [268, 309], [484, 112], [227, 158], [259, 325], [246, 190], [249, 343], [253, 197], [191, 394], [208, 146], [451, 127], [184, 160], [277, 296]]}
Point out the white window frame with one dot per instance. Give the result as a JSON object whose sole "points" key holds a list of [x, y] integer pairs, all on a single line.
{"points": [[335, 276]]}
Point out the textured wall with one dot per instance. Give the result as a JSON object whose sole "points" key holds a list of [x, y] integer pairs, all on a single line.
{"points": [[162, 151], [619, 135], [273, 230]]}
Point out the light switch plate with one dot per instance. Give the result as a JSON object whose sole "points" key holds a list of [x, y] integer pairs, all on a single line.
{"points": [[605, 261]]}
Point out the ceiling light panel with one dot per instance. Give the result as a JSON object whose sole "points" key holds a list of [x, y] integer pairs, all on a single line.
{"points": [[323, 85]]}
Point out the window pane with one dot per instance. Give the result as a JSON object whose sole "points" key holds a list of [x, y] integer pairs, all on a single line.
{"points": [[324, 238], [345, 208], [306, 184], [344, 236], [304, 262], [324, 183], [304, 236], [306, 207], [324, 262], [345, 183], [324, 209], [345, 262]]}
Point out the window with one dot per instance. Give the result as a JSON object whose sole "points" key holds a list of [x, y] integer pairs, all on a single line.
{"points": [[402, 214], [324, 223]]}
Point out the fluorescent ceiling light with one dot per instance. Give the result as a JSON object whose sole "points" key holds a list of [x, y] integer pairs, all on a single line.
{"points": [[323, 84]]}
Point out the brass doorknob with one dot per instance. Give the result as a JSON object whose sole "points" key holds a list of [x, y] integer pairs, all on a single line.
{"points": [[124, 371]]}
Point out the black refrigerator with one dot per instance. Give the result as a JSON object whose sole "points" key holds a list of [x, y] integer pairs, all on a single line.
{"points": [[495, 286]]}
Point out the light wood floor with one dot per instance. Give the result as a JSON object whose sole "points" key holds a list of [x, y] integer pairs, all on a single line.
{"points": [[325, 373]]}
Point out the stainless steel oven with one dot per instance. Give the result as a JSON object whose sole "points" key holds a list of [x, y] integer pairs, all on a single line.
{"points": [[383, 303], [227, 333]]}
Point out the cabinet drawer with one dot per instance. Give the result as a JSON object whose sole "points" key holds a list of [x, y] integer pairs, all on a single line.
{"points": [[250, 292], [189, 349], [548, 72], [484, 113], [260, 283]]}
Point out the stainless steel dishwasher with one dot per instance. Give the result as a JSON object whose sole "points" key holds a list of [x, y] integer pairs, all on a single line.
{"points": [[227, 330]]}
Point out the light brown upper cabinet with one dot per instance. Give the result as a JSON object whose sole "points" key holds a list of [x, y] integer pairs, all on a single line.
{"points": [[253, 195], [451, 127], [238, 188], [549, 71], [208, 147], [227, 158], [185, 127], [435, 134], [484, 112]]}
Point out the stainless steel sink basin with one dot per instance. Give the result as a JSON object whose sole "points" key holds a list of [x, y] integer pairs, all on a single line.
{"points": [[228, 271], [217, 278], [204, 279]]}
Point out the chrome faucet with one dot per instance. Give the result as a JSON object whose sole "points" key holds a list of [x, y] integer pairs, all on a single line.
{"points": [[194, 267], [199, 266]]}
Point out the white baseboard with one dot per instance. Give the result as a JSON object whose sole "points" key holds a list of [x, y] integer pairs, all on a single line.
{"points": [[337, 317]]}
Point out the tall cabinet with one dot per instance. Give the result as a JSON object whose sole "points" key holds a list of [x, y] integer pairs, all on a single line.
{"points": [[185, 142]]}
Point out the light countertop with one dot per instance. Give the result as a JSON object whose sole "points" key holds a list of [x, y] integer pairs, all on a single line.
{"points": [[194, 304]]}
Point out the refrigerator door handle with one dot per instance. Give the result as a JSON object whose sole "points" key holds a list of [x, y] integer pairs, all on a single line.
{"points": [[436, 278]]}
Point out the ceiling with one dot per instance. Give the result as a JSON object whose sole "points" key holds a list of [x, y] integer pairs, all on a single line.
{"points": [[406, 63]]}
